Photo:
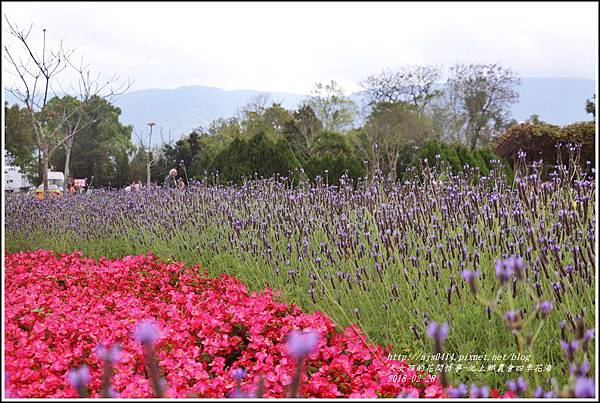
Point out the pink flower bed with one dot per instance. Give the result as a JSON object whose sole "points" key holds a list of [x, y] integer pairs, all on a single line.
{"points": [[59, 308]]}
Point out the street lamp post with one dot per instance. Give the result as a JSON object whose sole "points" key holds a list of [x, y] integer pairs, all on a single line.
{"points": [[148, 161]]}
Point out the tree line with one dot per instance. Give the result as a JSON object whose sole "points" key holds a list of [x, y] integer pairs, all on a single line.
{"points": [[407, 113], [405, 109]]}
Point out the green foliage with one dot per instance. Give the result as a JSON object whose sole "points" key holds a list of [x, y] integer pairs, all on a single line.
{"points": [[590, 106], [19, 140], [270, 120], [121, 177], [456, 156], [398, 129], [301, 130], [258, 156], [332, 156], [137, 168], [99, 148], [432, 149], [332, 168]]}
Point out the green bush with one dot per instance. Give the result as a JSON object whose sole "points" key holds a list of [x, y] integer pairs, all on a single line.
{"points": [[332, 156], [258, 156], [336, 166], [456, 156]]}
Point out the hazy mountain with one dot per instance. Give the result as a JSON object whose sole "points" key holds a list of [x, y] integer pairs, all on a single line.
{"points": [[183, 109], [178, 111]]}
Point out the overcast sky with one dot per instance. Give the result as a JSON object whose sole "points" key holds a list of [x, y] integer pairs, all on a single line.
{"points": [[289, 46]]}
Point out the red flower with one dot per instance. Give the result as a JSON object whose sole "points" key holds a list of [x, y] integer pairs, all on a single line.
{"points": [[59, 308]]}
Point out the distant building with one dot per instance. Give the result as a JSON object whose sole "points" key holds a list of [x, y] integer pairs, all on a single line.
{"points": [[14, 180]]}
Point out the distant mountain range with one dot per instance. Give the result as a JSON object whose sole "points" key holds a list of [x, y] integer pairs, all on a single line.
{"points": [[178, 111]]}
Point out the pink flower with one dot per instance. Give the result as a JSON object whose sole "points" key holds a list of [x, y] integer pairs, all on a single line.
{"points": [[58, 308]]}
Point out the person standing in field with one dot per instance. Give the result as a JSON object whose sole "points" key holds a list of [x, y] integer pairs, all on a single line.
{"points": [[171, 179]]}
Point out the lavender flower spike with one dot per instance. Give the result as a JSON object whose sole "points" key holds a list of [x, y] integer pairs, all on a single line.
{"points": [[457, 392], [481, 392], [584, 387], [300, 344], [238, 373], [79, 377], [108, 354], [437, 332], [146, 331], [570, 348], [518, 386], [470, 276], [503, 271], [545, 307]]}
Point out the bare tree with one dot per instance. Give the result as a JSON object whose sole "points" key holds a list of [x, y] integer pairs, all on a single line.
{"points": [[257, 104], [91, 90], [395, 130], [485, 92], [447, 117], [37, 73], [335, 111], [149, 155], [412, 84]]}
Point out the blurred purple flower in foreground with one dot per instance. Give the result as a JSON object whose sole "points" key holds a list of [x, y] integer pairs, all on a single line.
{"points": [[300, 343], [519, 386], [79, 377], [146, 331], [584, 387], [108, 354], [458, 391], [479, 392]]}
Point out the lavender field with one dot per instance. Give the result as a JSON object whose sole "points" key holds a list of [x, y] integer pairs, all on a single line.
{"points": [[508, 265]]}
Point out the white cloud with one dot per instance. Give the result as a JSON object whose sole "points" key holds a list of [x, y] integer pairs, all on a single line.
{"points": [[289, 46]]}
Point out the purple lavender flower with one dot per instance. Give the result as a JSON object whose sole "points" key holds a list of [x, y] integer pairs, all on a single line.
{"points": [[79, 377], [458, 391], [238, 373], [300, 343], [541, 394], [581, 370], [7, 393], [108, 354], [146, 331], [479, 392], [570, 348], [503, 272], [470, 276], [519, 386], [437, 333], [504, 269], [545, 307], [584, 387], [516, 263], [413, 394], [237, 394], [511, 317]]}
